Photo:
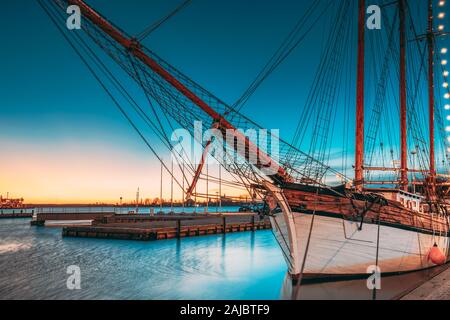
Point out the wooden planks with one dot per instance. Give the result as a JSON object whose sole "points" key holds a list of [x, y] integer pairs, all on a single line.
{"points": [[393, 213]]}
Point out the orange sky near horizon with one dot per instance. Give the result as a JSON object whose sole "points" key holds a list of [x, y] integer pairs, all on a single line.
{"points": [[85, 173]]}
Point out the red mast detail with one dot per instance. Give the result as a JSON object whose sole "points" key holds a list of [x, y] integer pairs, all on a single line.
{"points": [[198, 172], [359, 148], [403, 101], [430, 38]]}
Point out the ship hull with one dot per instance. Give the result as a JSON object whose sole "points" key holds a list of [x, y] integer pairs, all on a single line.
{"points": [[344, 241]]}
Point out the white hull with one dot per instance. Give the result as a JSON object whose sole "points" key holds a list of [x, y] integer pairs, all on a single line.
{"points": [[337, 247]]}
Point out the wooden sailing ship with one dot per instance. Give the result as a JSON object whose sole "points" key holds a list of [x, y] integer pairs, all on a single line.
{"points": [[323, 231], [344, 232]]}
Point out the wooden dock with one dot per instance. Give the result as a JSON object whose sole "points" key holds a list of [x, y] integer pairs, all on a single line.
{"points": [[161, 227]]}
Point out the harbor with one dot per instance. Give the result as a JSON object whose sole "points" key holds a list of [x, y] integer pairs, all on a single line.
{"points": [[225, 266], [107, 223], [311, 164], [164, 224]]}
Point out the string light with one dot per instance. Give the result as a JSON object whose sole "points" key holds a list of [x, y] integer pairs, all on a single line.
{"points": [[444, 51]]}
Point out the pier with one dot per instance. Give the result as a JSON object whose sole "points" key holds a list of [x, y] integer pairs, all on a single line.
{"points": [[69, 216], [436, 288], [16, 213], [161, 227]]}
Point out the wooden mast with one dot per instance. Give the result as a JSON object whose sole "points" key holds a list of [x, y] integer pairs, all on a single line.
{"points": [[359, 148], [430, 38], [403, 101]]}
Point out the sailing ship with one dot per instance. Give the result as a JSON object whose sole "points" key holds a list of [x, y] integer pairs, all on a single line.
{"points": [[324, 231]]}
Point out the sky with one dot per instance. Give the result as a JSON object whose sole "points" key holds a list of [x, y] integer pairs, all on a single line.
{"points": [[61, 138]]}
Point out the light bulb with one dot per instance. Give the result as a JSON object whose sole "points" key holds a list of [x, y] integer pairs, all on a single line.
{"points": [[441, 15], [441, 27], [444, 62], [444, 50], [445, 73], [445, 84]]}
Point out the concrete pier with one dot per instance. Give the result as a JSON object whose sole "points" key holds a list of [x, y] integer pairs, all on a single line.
{"points": [[437, 288], [16, 213]]}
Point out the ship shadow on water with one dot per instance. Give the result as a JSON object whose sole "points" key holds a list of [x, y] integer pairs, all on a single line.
{"points": [[392, 287]]}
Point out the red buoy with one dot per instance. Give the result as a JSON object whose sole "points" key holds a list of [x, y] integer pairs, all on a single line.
{"points": [[437, 256]]}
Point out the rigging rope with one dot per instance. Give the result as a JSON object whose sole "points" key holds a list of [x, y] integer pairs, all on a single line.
{"points": [[159, 131], [291, 42], [103, 85], [150, 29]]}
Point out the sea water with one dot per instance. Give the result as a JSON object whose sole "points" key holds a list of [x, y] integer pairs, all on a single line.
{"points": [[34, 264]]}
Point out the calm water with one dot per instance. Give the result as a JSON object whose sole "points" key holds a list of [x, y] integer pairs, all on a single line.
{"points": [[33, 264]]}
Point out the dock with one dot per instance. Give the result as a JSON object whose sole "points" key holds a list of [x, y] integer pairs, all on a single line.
{"points": [[160, 227], [40, 219], [436, 288], [16, 213]]}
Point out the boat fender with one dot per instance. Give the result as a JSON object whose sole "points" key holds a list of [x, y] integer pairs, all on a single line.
{"points": [[436, 255]]}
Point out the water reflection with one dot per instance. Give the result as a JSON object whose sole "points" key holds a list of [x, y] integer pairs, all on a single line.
{"points": [[232, 266], [392, 287]]}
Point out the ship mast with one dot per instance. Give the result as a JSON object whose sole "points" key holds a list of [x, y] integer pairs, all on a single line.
{"points": [[403, 101], [430, 39], [359, 148]]}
